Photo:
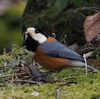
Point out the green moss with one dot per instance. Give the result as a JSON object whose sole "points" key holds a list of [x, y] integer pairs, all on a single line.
{"points": [[48, 91], [74, 83]]}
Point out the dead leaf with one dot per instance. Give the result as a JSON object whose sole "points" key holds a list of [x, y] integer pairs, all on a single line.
{"points": [[92, 26]]}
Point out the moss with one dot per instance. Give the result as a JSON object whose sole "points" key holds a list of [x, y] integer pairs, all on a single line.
{"points": [[74, 83]]}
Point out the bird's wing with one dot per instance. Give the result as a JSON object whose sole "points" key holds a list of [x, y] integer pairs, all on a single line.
{"points": [[56, 49]]}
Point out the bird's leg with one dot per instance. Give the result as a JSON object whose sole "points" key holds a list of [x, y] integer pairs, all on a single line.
{"points": [[37, 74]]}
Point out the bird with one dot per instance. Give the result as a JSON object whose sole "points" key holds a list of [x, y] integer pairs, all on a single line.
{"points": [[50, 53]]}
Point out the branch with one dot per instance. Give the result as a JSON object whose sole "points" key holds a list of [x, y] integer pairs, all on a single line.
{"points": [[27, 81], [8, 75]]}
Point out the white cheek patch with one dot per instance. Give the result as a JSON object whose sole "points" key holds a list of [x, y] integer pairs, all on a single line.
{"points": [[39, 37], [31, 30]]}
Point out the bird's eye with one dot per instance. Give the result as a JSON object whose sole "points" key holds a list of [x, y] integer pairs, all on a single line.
{"points": [[36, 31], [28, 34]]}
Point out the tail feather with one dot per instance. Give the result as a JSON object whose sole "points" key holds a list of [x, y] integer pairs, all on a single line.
{"points": [[82, 64], [93, 68]]}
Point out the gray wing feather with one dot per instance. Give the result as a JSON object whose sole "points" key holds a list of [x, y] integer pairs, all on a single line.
{"points": [[56, 49]]}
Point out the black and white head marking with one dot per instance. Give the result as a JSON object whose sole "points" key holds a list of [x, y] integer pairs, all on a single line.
{"points": [[37, 35], [30, 43]]}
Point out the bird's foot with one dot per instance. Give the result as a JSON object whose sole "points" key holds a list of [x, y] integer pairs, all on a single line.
{"points": [[41, 76], [37, 75]]}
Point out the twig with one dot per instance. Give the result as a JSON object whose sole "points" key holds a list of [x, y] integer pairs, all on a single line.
{"points": [[86, 49], [27, 81], [63, 38], [85, 63], [58, 93], [88, 8], [4, 67], [3, 92], [8, 75]]}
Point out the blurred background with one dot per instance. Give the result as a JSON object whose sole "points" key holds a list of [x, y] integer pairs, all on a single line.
{"points": [[10, 28], [65, 18]]}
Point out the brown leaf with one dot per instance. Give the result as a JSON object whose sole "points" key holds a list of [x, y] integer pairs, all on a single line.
{"points": [[92, 26]]}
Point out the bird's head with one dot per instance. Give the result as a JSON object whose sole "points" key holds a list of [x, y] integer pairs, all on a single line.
{"points": [[33, 38], [36, 34]]}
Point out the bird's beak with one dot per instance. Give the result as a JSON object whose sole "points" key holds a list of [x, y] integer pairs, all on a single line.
{"points": [[25, 35]]}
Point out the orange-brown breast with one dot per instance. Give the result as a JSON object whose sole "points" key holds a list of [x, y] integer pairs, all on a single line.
{"points": [[50, 39], [49, 62]]}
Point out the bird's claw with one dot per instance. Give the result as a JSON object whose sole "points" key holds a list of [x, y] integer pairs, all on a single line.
{"points": [[41, 76]]}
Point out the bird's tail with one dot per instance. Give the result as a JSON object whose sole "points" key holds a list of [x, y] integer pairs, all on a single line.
{"points": [[82, 64], [93, 68]]}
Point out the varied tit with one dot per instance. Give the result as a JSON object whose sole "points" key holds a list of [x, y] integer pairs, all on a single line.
{"points": [[50, 53]]}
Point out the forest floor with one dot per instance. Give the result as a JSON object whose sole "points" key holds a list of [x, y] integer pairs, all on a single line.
{"points": [[16, 81]]}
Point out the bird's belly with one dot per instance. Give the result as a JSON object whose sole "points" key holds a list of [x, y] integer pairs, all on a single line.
{"points": [[51, 63]]}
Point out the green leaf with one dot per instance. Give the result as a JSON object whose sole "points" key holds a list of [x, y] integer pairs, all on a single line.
{"points": [[61, 4], [78, 3], [91, 2]]}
